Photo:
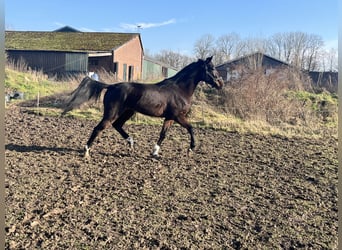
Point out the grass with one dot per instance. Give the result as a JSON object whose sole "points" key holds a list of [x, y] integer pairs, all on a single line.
{"points": [[202, 114], [88, 114], [314, 99], [32, 84]]}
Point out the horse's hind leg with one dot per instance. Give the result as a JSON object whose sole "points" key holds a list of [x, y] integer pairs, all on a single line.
{"points": [[120, 122], [166, 125], [105, 123]]}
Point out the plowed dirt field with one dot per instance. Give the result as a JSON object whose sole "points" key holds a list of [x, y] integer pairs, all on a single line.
{"points": [[237, 191]]}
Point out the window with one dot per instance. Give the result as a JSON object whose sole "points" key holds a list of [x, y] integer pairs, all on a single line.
{"points": [[164, 72]]}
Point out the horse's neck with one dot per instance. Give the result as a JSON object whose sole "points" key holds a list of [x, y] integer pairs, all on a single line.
{"points": [[189, 87], [186, 80]]}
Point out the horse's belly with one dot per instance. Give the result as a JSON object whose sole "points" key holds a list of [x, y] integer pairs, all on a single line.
{"points": [[156, 110]]}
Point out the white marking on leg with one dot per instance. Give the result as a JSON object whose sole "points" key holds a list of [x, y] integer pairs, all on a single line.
{"points": [[86, 153], [156, 150], [130, 141]]}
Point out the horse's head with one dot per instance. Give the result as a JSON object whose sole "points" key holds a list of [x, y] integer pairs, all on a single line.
{"points": [[210, 74]]}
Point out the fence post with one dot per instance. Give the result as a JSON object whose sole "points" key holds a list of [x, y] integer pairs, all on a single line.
{"points": [[38, 99]]}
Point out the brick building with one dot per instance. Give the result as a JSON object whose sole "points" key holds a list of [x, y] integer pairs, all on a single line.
{"points": [[69, 51]]}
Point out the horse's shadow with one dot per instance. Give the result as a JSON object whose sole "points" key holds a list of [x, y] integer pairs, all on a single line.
{"points": [[37, 148], [60, 150]]}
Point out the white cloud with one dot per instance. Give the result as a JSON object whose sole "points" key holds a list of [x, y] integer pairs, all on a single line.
{"points": [[143, 25], [125, 26]]}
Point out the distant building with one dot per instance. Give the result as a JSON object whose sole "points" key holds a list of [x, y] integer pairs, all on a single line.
{"points": [[234, 68], [327, 80], [155, 70], [69, 51]]}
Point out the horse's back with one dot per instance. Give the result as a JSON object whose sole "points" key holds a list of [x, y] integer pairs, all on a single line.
{"points": [[148, 99], [128, 93]]}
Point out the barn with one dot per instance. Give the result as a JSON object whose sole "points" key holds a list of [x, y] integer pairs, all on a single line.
{"points": [[319, 80], [232, 68], [327, 80], [69, 51]]}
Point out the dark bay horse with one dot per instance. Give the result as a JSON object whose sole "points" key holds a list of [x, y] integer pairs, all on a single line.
{"points": [[170, 98]]}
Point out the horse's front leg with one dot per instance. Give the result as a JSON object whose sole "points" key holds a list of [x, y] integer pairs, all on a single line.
{"points": [[166, 125], [192, 138]]}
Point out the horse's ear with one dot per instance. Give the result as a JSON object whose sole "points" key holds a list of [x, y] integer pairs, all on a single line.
{"points": [[208, 60]]}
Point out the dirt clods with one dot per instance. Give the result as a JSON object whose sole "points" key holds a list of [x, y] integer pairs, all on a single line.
{"points": [[236, 191]]}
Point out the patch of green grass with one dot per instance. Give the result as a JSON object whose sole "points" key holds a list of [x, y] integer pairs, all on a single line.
{"points": [[88, 114], [32, 84], [313, 99], [146, 120]]}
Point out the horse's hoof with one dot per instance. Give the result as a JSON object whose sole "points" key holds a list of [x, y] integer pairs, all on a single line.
{"points": [[190, 152], [130, 142], [156, 150], [86, 152], [155, 156]]}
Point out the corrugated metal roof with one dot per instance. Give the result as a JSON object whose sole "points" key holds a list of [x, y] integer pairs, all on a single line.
{"points": [[66, 41]]}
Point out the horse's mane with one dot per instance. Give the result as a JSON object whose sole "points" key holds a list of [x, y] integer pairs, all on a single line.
{"points": [[183, 73]]}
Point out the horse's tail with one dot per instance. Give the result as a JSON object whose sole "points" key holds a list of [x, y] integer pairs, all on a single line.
{"points": [[88, 89]]}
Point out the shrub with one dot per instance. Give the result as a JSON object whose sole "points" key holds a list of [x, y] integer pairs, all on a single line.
{"points": [[255, 95]]}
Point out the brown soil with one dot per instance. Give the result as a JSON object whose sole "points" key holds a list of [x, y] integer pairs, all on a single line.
{"points": [[237, 191]]}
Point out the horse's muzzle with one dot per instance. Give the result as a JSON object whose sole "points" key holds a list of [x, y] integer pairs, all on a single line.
{"points": [[219, 83]]}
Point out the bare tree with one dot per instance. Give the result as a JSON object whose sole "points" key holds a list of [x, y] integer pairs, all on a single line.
{"points": [[174, 59], [252, 45], [305, 51], [280, 46], [297, 48], [226, 46], [204, 46], [329, 60], [274, 46], [310, 55]]}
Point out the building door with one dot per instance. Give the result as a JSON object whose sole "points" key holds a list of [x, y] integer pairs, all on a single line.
{"points": [[130, 73], [116, 69]]}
